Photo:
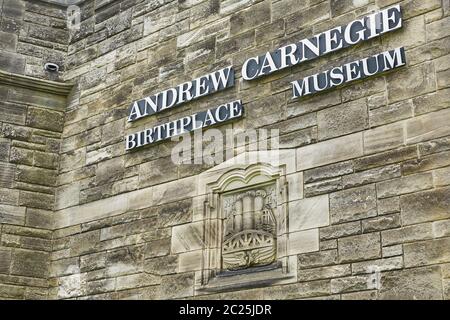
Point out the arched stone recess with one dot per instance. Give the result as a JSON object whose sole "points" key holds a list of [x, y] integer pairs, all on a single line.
{"points": [[239, 237]]}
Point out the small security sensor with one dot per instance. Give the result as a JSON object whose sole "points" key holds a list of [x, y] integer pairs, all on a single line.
{"points": [[51, 67]]}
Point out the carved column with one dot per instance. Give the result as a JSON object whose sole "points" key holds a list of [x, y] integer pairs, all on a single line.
{"points": [[238, 216], [259, 204], [248, 209]]}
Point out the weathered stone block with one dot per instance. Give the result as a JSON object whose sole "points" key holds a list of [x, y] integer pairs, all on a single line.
{"points": [[340, 230], [425, 206], [91, 262], [353, 204], [432, 102], [36, 200], [5, 260], [45, 119], [426, 163], [391, 251], [190, 261], [299, 290], [324, 273], [36, 175], [412, 33], [161, 265], [381, 223], [308, 213], [383, 138], [110, 170], [317, 259], [426, 252], [349, 284], [7, 172], [411, 82], [177, 286], [329, 171], [385, 158], [330, 151], [438, 29], [441, 228], [304, 241], [64, 267], [12, 113], [408, 184], [391, 113], [310, 16], [429, 126], [361, 295], [321, 187], [342, 119], [418, 283], [187, 237], [250, 18], [407, 234], [371, 176], [30, 263], [156, 172], [378, 265], [125, 261], [157, 248], [175, 213], [360, 247], [136, 281]]}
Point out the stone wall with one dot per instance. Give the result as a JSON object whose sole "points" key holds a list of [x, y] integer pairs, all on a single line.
{"points": [[32, 32], [367, 165], [31, 122]]}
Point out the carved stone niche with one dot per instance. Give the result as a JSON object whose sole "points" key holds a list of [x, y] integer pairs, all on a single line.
{"points": [[246, 225]]}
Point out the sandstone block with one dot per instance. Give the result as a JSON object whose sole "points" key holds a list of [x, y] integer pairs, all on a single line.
{"points": [[177, 286], [317, 259], [329, 171], [407, 234], [187, 237], [371, 176], [161, 265], [45, 119], [403, 185], [379, 265], [136, 281], [30, 263], [321, 187], [384, 138], [429, 126], [381, 223], [308, 213], [340, 230], [411, 82], [342, 119], [250, 18], [360, 247], [425, 206], [330, 151], [418, 283], [426, 252], [304, 241], [353, 204], [324, 273], [349, 284]]}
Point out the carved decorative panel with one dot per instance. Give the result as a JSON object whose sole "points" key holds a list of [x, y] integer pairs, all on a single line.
{"points": [[249, 228], [246, 229]]}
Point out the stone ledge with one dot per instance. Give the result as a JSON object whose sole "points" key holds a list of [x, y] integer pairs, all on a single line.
{"points": [[57, 88]]}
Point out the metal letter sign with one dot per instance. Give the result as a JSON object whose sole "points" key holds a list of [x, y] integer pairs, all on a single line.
{"points": [[366, 28]]}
